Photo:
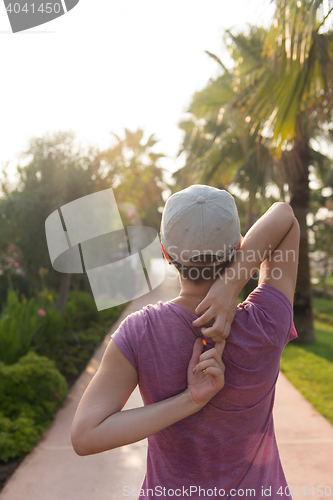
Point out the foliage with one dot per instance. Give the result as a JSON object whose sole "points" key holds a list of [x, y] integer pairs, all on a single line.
{"points": [[32, 389], [71, 339], [295, 79], [236, 120], [80, 310], [18, 325], [51, 332], [255, 122], [324, 306], [19, 283], [221, 147], [45, 297], [322, 228], [56, 171], [284, 89], [133, 171], [31, 392]]}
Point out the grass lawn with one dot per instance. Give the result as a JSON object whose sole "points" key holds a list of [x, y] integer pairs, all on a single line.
{"points": [[310, 367], [322, 305]]}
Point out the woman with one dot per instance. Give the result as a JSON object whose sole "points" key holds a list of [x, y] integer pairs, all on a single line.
{"points": [[208, 435]]}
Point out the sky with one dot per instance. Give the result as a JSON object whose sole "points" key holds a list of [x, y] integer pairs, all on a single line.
{"points": [[111, 64]]}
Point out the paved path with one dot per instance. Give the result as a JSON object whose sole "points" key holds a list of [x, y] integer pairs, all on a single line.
{"points": [[52, 471]]}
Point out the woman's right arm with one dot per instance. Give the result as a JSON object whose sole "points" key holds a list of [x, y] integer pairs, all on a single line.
{"points": [[100, 424], [272, 240]]}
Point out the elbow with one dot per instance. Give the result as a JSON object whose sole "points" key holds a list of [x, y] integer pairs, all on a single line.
{"points": [[296, 227], [78, 444], [296, 223], [285, 209], [282, 205], [78, 451], [87, 443], [77, 447]]}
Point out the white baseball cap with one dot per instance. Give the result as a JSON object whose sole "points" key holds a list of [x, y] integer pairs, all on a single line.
{"points": [[200, 220]]}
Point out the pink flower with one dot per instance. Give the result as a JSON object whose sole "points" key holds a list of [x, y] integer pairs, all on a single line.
{"points": [[328, 221], [41, 312]]}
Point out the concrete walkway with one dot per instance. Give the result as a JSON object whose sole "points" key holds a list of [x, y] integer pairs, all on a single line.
{"points": [[52, 471]]}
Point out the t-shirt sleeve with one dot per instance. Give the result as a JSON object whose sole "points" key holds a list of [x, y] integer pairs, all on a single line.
{"points": [[129, 335], [274, 312]]}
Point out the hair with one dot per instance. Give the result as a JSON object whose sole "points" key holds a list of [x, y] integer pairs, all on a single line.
{"points": [[198, 274]]}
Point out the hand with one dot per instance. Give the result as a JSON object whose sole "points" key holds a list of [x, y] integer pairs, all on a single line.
{"points": [[220, 305], [205, 374]]}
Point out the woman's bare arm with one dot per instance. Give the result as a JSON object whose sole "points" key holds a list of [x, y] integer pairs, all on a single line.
{"points": [[260, 242], [100, 425]]}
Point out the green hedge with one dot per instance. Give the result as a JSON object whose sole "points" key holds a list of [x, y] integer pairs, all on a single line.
{"points": [[80, 311], [31, 392], [33, 388], [18, 325]]}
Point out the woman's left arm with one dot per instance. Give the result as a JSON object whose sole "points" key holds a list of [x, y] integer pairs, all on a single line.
{"points": [[100, 425]]}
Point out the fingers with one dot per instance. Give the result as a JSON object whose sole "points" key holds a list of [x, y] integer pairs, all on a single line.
{"points": [[216, 329], [197, 350], [204, 304], [205, 318], [226, 329], [219, 330], [215, 335], [218, 339], [203, 365], [211, 354], [219, 346], [215, 372]]}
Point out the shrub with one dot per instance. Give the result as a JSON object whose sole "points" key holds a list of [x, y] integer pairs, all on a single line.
{"points": [[31, 392], [17, 437], [18, 324], [109, 316], [19, 283], [81, 310], [46, 297], [74, 348], [51, 332]]}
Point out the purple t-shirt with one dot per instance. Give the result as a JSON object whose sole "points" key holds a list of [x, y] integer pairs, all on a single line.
{"points": [[229, 446]]}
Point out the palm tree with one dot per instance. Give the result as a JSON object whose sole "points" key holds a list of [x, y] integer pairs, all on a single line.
{"points": [[220, 148], [133, 172], [288, 97], [285, 102]]}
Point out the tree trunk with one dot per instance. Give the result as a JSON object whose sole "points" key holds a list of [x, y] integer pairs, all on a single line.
{"points": [[65, 281], [299, 160]]}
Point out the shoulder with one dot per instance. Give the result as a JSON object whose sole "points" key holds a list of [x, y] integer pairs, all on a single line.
{"points": [[135, 323], [129, 335], [269, 312], [267, 296], [147, 322]]}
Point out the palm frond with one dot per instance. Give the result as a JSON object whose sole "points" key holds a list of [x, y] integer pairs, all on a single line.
{"points": [[213, 56]]}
